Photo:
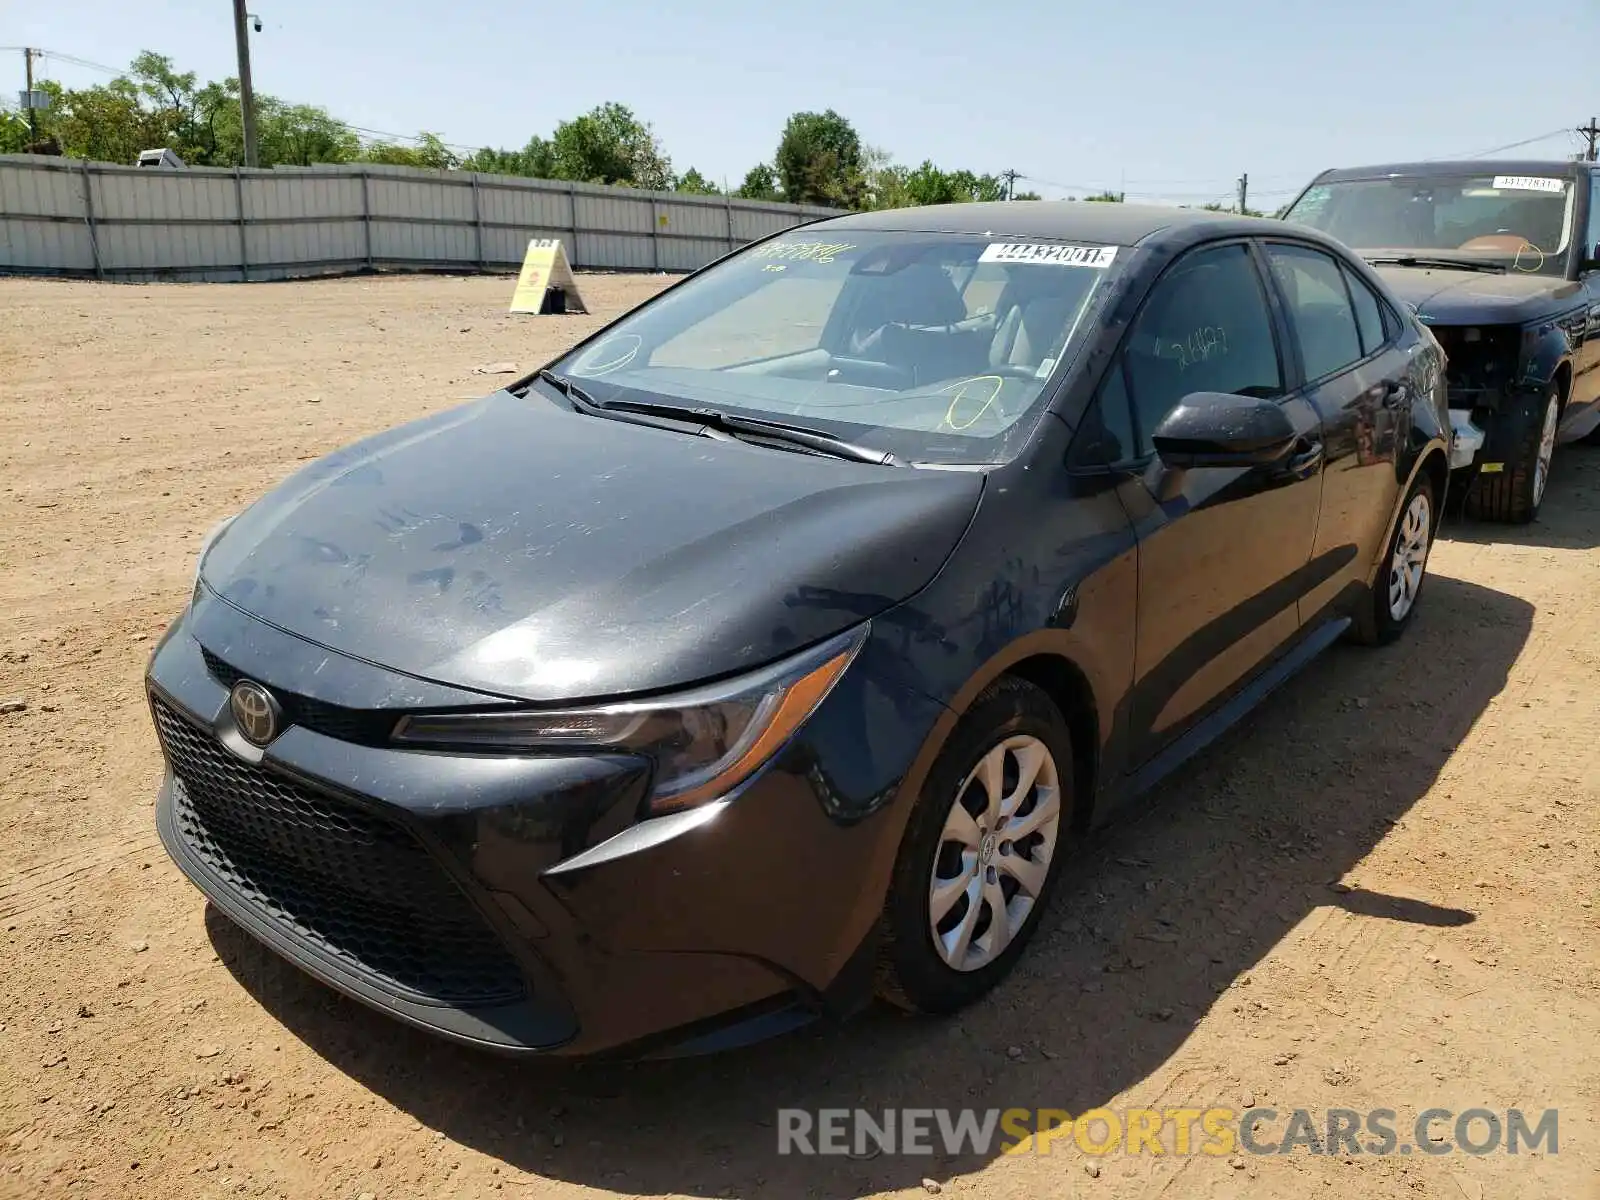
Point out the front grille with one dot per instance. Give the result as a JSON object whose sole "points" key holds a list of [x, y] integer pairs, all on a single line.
{"points": [[1482, 360], [368, 727], [356, 885]]}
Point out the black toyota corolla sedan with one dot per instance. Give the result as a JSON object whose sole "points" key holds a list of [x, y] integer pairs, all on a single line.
{"points": [[770, 649]]}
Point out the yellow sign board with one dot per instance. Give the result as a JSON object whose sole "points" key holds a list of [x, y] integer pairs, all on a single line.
{"points": [[544, 267]]}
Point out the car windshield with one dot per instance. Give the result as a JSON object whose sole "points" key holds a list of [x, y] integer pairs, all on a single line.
{"points": [[1520, 222], [936, 347]]}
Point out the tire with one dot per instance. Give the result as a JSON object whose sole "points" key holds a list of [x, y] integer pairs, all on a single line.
{"points": [[1391, 603], [1522, 445], [1011, 722]]}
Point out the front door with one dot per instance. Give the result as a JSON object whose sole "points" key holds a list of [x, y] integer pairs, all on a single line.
{"points": [[1222, 552], [1586, 374]]}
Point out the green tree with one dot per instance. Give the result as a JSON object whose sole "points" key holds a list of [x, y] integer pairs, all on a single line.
{"points": [[106, 122], [929, 185], [887, 182], [1105, 198], [429, 153], [696, 184], [1027, 196], [820, 161], [536, 160], [760, 183], [301, 134], [14, 133], [610, 145]]}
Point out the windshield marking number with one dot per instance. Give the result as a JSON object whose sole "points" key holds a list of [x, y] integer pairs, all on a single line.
{"points": [[1528, 183], [1099, 257]]}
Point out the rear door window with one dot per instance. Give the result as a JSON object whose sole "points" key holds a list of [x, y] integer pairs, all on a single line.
{"points": [[1369, 313], [1319, 309]]}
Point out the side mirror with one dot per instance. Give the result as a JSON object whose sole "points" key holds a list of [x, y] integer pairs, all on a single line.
{"points": [[1214, 429]]}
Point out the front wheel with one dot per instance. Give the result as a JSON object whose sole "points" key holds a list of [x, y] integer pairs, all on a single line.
{"points": [[1521, 447], [1389, 606], [981, 852]]}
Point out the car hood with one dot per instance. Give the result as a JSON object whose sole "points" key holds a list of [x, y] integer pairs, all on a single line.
{"points": [[519, 548], [1448, 297]]}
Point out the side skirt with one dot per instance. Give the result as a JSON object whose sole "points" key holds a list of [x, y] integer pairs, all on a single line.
{"points": [[1225, 717]]}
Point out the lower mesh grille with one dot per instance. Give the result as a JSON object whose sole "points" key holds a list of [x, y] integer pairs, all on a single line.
{"points": [[354, 884]]}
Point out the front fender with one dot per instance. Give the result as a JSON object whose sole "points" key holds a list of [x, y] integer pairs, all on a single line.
{"points": [[1549, 346]]}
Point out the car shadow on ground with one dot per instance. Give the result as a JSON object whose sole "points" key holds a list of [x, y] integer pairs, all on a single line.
{"points": [[1159, 918], [1569, 518]]}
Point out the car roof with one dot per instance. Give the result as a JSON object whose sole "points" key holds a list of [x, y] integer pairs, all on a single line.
{"points": [[1474, 166], [1053, 220]]}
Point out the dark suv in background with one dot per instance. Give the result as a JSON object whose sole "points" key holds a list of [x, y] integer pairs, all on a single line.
{"points": [[1501, 262]]}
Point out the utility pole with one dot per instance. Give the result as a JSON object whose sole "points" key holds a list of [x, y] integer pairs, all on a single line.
{"points": [[247, 98], [28, 55], [1592, 132], [1011, 183], [1244, 192]]}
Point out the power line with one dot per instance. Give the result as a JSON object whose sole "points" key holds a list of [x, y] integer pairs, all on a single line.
{"points": [[81, 62], [408, 137], [1543, 137], [66, 58]]}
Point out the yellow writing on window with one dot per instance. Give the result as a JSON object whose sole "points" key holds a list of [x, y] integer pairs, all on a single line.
{"points": [[822, 252]]}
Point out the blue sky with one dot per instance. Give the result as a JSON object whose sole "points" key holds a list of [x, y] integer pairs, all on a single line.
{"points": [[1166, 99]]}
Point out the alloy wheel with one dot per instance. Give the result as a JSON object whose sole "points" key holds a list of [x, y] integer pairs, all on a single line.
{"points": [[1547, 450], [995, 851], [1410, 557]]}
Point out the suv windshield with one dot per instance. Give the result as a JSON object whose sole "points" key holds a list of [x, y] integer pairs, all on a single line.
{"points": [[933, 346], [1523, 223]]}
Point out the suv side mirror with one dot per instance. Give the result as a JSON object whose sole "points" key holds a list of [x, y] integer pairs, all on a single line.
{"points": [[1216, 429]]}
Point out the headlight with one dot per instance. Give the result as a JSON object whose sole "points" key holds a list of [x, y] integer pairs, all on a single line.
{"points": [[704, 743]]}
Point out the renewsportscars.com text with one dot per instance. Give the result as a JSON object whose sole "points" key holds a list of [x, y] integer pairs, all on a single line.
{"points": [[1212, 1131]]}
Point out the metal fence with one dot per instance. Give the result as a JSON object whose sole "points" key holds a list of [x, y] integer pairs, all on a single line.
{"points": [[69, 217]]}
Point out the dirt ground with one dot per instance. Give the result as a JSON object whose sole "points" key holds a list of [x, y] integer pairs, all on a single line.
{"points": [[1198, 956]]}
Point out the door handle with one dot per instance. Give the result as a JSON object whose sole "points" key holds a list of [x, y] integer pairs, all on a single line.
{"points": [[1395, 394], [1306, 461]]}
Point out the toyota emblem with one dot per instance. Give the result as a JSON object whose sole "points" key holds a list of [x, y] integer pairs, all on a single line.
{"points": [[255, 712]]}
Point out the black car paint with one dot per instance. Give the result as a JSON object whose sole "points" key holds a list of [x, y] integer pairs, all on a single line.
{"points": [[1042, 566], [518, 548], [1555, 319]]}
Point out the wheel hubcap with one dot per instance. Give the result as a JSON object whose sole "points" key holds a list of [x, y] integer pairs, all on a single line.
{"points": [[1410, 557], [994, 852], [1547, 450]]}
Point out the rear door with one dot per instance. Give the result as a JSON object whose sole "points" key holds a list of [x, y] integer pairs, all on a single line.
{"points": [[1222, 551], [1346, 338], [1586, 377]]}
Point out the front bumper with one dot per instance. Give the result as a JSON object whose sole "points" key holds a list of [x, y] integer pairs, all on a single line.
{"points": [[511, 902], [1466, 439]]}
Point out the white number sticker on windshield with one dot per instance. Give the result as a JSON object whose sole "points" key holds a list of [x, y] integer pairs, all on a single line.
{"points": [[1528, 183], [1060, 256]]}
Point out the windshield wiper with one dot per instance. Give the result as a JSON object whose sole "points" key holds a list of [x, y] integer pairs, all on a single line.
{"points": [[714, 421], [1454, 264], [777, 431], [585, 403]]}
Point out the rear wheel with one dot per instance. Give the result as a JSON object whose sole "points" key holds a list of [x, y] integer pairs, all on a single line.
{"points": [[1392, 602], [1520, 450], [981, 853]]}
